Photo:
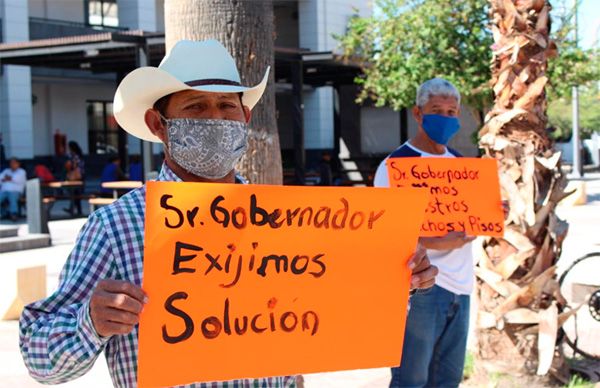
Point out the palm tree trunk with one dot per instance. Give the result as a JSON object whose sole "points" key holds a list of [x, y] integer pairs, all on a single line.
{"points": [[246, 29], [517, 288]]}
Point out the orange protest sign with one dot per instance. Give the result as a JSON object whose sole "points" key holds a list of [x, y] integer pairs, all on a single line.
{"points": [[248, 281], [464, 193]]}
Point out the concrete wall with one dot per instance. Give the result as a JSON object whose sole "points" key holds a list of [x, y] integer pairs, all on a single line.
{"points": [[379, 130], [15, 85], [42, 126], [68, 10], [318, 118], [38, 8], [15, 118], [137, 14], [320, 19], [160, 15], [62, 104]]}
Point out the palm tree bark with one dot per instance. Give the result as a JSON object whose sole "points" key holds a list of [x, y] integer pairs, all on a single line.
{"points": [[246, 29], [517, 289]]}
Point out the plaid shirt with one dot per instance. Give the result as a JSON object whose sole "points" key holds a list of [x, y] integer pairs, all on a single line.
{"points": [[57, 339]]}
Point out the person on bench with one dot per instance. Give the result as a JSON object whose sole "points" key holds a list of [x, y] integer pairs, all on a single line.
{"points": [[111, 172], [12, 181]]}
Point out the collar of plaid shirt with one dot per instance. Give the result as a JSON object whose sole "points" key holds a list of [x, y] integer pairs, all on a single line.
{"points": [[57, 339]]}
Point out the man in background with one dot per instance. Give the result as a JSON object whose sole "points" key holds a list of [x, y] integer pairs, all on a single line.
{"points": [[438, 320], [112, 172], [12, 181]]}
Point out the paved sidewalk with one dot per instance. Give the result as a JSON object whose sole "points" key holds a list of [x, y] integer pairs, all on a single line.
{"points": [[584, 224], [583, 237]]}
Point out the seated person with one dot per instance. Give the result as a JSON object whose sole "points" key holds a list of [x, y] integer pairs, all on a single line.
{"points": [[43, 173], [135, 169], [12, 186], [111, 172]]}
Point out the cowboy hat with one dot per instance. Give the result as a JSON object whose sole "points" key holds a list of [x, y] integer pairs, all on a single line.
{"points": [[190, 65]]}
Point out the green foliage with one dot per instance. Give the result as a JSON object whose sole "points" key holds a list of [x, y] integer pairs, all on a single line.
{"points": [[469, 366], [560, 114], [406, 42], [410, 41], [574, 65], [579, 382]]}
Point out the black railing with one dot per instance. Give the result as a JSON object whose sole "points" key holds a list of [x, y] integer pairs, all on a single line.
{"points": [[41, 28]]}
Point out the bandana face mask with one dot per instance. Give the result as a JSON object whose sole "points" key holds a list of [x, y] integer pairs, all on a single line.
{"points": [[205, 147]]}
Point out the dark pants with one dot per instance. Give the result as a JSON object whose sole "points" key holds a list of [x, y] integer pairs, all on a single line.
{"points": [[75, 203]]}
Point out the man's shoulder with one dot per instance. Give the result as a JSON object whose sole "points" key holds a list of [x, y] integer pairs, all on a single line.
{"points": [[454, 152], [404, 151], [130, 205]]}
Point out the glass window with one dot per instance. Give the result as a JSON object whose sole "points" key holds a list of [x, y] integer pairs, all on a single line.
{"points": [[103, 130], [103, 13]]}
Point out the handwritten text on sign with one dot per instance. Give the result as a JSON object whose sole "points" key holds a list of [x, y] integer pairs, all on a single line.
{"points": [[464, 193], [255, 281]]}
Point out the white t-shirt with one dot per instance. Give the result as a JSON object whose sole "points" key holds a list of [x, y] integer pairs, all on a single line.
{"points": [[456, 273]]}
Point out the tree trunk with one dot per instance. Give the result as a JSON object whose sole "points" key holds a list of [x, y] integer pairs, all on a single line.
{"points": [[246, 29], [517, 288]]}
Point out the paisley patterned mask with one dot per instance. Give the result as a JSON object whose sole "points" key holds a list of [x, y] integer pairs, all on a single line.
{"points": [[207, 148]]}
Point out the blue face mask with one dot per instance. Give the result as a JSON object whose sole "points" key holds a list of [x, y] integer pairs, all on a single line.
{"points": [[440, 128]]}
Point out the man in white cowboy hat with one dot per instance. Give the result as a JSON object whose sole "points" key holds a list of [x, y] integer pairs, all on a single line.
{"points": [[195, 105]]}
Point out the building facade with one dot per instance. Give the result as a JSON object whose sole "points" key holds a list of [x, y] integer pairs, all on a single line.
{"points": [[38, 102]]}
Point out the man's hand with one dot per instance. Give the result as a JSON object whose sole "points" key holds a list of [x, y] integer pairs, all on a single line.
{"points": [[115, 307], [423, 273], [451, 240]]}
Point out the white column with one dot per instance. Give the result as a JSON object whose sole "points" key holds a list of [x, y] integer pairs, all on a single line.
{"points": [[318, 21], [317, 103], [310, 23], [15, 85], [318, 118], [137, 14]]}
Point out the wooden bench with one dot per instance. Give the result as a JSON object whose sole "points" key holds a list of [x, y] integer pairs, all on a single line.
{"points": [[94, 202], [70, 197]]}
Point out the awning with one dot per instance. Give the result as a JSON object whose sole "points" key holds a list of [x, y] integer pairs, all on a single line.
{"points": [[102, 52], [118, 52]]}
